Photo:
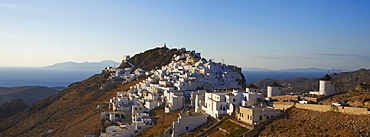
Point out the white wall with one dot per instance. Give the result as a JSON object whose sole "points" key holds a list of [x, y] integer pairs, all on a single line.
{"points": [[187, 123]]}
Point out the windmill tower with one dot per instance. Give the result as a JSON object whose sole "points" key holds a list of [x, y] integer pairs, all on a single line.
{"points": [[327, 85], [251, 88], [274, 89]]}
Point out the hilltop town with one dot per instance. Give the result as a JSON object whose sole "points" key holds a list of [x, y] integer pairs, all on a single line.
{"points": [[176, 92], [200, 91]]}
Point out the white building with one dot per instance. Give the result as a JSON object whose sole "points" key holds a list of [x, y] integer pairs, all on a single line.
{"points": [[151, 104], [219, 104], [187, 122], [274, 89], [141, 118], [119, 103], [197, 100], [137, 108], [253, 115], [215, 104], [114, 116], [174, 101], [126, 130], [327, 85]]}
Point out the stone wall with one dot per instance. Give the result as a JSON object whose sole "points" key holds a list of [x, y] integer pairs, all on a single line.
{"points": [[283, 105], [326, 108]]}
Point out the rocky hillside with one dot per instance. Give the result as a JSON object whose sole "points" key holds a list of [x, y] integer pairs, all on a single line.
{"points": [[152, 58], [301, 122], [29, 94], [9, 109], [70, 112]]}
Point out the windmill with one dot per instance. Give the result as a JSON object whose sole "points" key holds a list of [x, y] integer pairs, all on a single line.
{"points": [[335, 83]]}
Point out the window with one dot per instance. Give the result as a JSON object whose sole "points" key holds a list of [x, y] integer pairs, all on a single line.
{"points": [[267, 117], [135, 108], [186, 128], [248, 116], [234, 100], [260, 117]]}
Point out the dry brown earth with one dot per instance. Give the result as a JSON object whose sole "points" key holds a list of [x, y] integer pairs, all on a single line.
{"points": [[301, 122], [71, 112]]}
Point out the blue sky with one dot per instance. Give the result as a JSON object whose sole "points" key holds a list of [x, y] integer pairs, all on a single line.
{"points": [[250, 34]]}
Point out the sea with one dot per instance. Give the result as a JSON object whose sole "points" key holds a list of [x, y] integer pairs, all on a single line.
{"points": [[31, 76]]}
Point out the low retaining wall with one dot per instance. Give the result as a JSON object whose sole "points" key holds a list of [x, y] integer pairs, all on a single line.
{"points": [[324, 97], [283, 105], [242, 124], [224, 130], [326, 108]]}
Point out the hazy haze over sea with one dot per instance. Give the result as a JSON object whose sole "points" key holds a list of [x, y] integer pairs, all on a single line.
{"points": [[33, 76]]}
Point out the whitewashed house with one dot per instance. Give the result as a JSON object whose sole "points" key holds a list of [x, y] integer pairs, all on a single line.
{"points": [[187, 122], [197, 100], [253, 115], [173, 100], [141, 118], [151, 104]]}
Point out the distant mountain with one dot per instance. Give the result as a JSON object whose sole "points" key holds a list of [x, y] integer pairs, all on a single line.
{"points": [[314, 70], [29, 94], [305, 70], [297, 70], [84, 65], [257, 69]]}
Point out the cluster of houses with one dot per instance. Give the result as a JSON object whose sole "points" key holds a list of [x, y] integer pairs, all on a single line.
{"points": [[203, 89]]}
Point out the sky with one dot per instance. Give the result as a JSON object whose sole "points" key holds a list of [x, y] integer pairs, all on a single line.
{"points": [[247, 33]]}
